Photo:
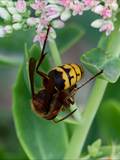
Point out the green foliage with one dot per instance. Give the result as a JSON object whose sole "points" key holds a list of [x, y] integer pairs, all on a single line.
{"points": [[39, 137], [5, 155], [15, 42], [113, 92], [105, 56], [108, 121], [10, 60], [9, 145], [97, 152], [68, 36], [97, 59], [94, 148]]}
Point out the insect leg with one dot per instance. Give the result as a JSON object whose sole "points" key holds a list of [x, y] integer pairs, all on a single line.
{"points": [[90, 80], [77, 88], [43, 54], [32, 64], [68, 98], [68, 115]]}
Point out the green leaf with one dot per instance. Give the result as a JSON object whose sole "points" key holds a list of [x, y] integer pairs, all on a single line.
{"points": [[68, 36], [94, 148], [103, 42], [41, 139], [35, 52], [111, 43], [106, 56], [113, 91], [15, 41], [10, 60], [45, 66], [108, 121], [97, 59]]}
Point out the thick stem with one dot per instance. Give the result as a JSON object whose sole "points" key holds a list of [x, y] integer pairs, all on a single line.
{"points": [[55, 53], [81, 131], [114, 42]]}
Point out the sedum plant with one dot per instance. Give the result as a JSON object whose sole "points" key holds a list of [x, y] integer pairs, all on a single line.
{"points": [[39, 138]]}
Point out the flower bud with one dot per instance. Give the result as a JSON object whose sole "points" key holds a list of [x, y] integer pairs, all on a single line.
{"points": [[17, 18], [97, 23], [8, 29], [114, 6], [21, 6], [17, 26], [9, 3], [12, 10], [32, 21], [4, 14], [58, 24], [53, 11], [3, 2], [2, 32], [66, 14]]}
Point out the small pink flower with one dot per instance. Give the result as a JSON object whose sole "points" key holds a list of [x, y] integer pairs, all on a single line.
{"points": [[44, 20], [2, 32], [58, 23], [65, 3], [90, 3], [32, 21], [52, 11], [106, 13], [40, 37], [38, 5], [107, 27], [21, 6], [77, 7], [113, 4]]}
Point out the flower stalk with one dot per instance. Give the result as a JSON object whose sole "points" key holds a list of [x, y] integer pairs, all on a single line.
{"points": [[55, 53], [80, 133]]}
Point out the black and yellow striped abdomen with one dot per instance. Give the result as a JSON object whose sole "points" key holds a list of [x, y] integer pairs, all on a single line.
{"points": [[66, 76]]}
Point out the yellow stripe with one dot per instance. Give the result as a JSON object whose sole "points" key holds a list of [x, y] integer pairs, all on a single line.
{"points": [[64, 77], [72, 74], [78, 71]]}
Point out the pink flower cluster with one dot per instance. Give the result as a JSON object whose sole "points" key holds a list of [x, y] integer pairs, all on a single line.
{"points": [[57, 12]]}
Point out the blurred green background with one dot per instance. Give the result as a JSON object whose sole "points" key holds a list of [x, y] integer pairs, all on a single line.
{"points": [[106, 124]]}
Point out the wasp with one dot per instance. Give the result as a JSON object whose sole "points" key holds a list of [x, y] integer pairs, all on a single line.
{"points": [[59, 86]]}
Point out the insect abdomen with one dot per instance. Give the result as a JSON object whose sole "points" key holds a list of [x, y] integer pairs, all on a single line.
{"points": [[66, 76]]}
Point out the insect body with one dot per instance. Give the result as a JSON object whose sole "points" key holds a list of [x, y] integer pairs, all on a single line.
{"points": [[66, 76], [50, 100], [59, 87]]}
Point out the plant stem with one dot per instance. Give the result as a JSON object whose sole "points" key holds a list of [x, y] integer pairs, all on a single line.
{"points": [[55, 53], [114, 42], [81, 131]]}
